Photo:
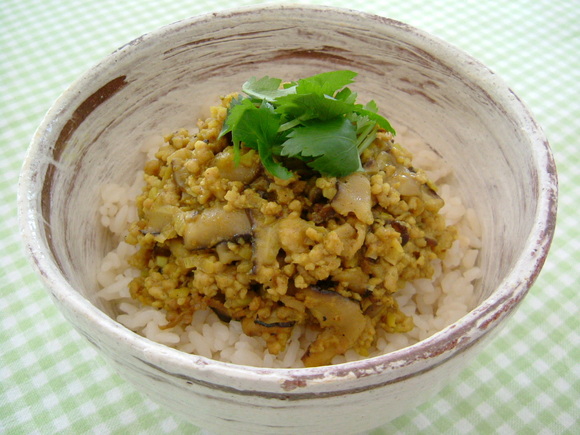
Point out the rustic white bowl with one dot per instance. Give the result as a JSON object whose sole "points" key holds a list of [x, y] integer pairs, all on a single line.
{"points": [[166, 79]]}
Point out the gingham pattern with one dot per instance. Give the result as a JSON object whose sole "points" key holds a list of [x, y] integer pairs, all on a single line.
{"points": [[526, 381]]}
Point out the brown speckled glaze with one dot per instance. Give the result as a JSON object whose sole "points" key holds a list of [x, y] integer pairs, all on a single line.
{"points": [[165, 80]]}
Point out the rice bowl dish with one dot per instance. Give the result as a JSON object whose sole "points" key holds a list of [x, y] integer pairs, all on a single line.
{"points": [[437, 293]]}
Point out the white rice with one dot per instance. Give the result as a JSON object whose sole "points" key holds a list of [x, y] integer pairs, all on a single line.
{"points": [[433, 304]]}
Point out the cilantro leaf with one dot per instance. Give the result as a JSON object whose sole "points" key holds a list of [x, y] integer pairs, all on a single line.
{"points": [[327, 146], [370, 111], [257, 128], [372, 106], [314, 119], [256, 123], [266, 88], [234, 114], [236, 111], [310, 106], [314, 97], [273, 167], [366, 130], [326, 83], [346, 95]]}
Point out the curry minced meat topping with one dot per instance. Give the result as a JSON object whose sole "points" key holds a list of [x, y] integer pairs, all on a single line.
{"points": [[324, 252]]}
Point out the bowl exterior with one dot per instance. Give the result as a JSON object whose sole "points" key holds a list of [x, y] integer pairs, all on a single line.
{"points": [[226, 404], [159, 80]]}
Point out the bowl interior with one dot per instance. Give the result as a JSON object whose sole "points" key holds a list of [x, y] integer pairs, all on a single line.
{"points": [[168, 79]]}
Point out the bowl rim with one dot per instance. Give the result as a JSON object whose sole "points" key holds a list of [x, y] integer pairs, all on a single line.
{"points": [[436, 349]]}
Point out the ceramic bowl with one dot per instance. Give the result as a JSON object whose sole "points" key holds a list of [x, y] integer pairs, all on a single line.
{"points": [[164, 80]]}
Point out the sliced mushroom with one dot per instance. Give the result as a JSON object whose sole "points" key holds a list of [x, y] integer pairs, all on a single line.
{"points": [[406, 182], [160, 218], [321, 213], [401, 228], [180, 173], [428, 190], [275, 332], [342, 321], [265, 243], [177, 161], [374, 308], [289, 324], [377, 164], [354, 196], [218, 307], [212, 226], [371, 166], [433, 202], [246, 171]]}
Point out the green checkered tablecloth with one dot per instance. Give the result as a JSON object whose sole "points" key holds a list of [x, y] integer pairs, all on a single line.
{"points": [[526, 381]]}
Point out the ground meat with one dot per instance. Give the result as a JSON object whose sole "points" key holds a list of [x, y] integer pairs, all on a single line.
{"points": [[323, 252]]}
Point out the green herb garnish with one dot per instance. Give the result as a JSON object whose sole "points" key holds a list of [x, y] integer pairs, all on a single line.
{"points": [[315, 120]]}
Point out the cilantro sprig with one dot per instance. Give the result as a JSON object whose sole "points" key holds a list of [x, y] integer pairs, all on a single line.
{"points": [[315, 120]]}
